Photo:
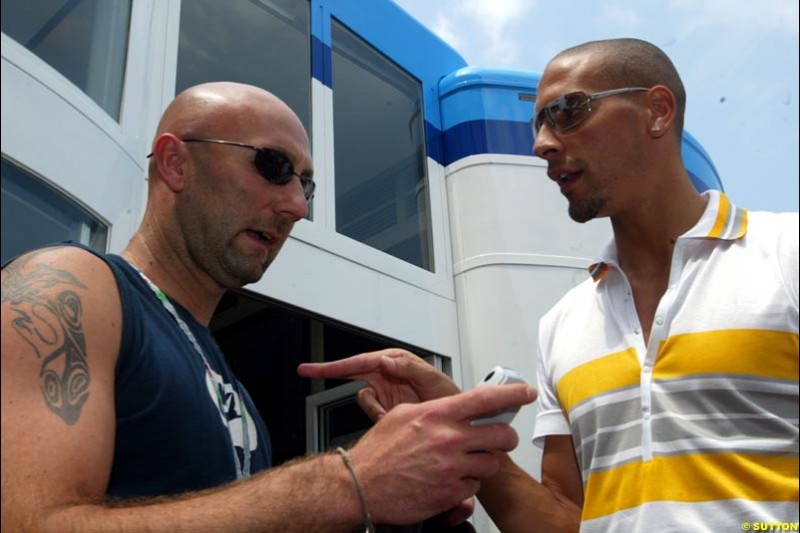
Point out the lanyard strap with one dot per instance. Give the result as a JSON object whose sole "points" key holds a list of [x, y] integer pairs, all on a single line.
{"points": [[242, 471]]}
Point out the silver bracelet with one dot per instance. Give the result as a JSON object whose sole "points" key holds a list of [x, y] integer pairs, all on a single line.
{"points": [[348, 461]]}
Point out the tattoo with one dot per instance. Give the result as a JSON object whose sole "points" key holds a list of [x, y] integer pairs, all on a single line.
{"points": [[52, 326]]}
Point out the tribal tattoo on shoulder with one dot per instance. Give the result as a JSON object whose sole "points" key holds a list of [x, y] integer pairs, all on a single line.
{"points": [[52, 326]]}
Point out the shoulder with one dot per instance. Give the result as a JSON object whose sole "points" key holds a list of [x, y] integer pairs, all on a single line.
{"points": [[776, 236], [572, 301], [56, 272], [57, 295], [54, 265], [773, 229]]}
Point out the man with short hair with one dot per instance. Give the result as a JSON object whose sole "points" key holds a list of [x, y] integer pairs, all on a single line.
{"points": [[668, 381], [119, 412]]}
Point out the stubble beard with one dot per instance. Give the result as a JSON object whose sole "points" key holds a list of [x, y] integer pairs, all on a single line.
{"points": [[211, 243], [239, 269], [213, 249], [244, 269], [586, 210]]}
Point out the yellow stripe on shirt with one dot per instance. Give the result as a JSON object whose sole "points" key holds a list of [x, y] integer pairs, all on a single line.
{"points": [[722, 217], [597, 376], [691, 478], [752, 352]]}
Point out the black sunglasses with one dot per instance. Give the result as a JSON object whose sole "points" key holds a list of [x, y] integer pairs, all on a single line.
{"points": [[569, 110], [273, 165]]}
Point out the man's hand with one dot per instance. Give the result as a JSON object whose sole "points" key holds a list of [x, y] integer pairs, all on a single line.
{"points": [[393, 377], [424, 459]]}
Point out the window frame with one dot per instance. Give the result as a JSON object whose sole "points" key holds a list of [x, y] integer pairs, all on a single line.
{"points": [[321, 233]]}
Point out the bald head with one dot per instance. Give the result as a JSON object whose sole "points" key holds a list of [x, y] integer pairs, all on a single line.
{"points": [[227, 110], [633, 63], [201, 109]]}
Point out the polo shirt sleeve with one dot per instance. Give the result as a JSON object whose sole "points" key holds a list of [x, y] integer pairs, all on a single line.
{"points": [[550, 419]]}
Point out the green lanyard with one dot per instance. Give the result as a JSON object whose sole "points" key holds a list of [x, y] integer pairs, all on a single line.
{"points": [[242, 471]]}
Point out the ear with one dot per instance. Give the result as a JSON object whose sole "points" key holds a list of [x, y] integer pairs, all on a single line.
{"points": [[662, 111], [169, 156]]}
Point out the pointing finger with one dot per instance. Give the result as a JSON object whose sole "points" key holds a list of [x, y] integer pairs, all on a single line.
{"points": [[349, 367]]}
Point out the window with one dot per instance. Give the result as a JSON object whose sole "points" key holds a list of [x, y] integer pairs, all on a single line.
{"points": [[379, 147], [334, 418], [34, 214], [266, 43], [85, 40]]}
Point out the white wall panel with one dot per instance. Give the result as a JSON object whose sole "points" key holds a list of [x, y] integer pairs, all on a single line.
{"points": [[515, 253]]}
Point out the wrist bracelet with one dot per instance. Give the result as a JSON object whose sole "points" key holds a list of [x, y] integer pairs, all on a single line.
{"points": [[348, 461]]}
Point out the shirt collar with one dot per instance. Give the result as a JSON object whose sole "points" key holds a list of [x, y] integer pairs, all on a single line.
{"points": [[720, 220]]}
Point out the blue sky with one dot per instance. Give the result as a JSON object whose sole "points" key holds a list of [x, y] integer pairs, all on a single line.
{"points": [[738, 60]]}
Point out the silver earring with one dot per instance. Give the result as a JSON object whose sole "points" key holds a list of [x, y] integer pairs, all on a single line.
{"points": [[656, 128]]}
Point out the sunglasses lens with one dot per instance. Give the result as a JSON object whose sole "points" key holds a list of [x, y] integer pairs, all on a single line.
{"points": [[563, 113], [274, 166], [569, 111]]}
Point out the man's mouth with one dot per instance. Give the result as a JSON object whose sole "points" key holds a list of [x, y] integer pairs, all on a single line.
{"points": [[565, 177], [260, 236]]}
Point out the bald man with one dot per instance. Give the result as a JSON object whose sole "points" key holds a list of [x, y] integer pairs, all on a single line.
{"points": [[119, 413], [668, 380]]}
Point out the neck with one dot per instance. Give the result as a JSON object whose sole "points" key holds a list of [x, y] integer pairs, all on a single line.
{"points": [[173, 272], [645, 242]]}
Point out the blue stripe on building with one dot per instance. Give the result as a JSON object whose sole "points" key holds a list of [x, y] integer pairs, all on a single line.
{"points": [[433, 143], [487, 137], [321, 62]]}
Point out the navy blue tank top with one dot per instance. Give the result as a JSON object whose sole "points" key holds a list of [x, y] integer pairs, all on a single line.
{"points": [[171, 436]]}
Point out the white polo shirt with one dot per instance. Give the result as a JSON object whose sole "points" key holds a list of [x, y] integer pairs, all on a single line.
{"points": [[698, 430]]}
